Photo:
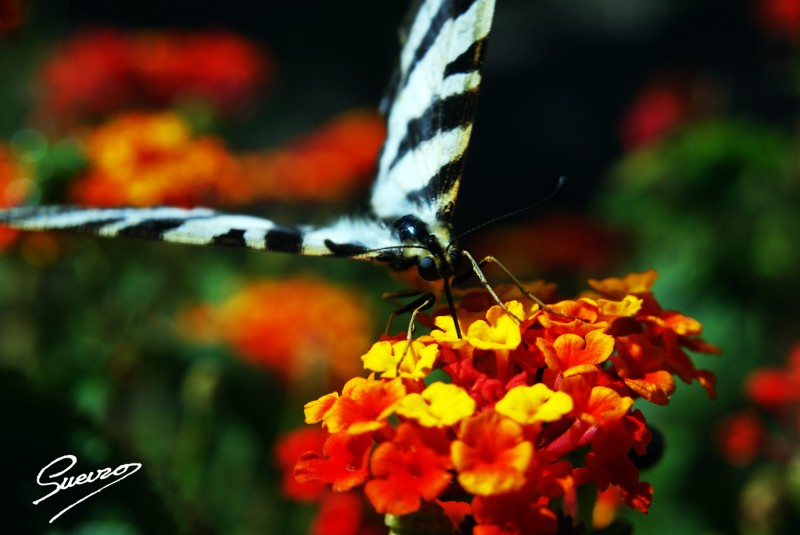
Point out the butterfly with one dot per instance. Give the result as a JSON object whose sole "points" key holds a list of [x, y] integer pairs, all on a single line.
{"points": [[429, 110]]}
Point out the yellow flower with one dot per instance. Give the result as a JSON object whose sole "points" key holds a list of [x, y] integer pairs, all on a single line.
{"points": [[531, 404], [500, 331], [417, 361], [439, 405]]}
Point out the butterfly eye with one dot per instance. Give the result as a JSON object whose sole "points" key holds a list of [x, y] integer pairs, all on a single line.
{"points": [[427, 269]]}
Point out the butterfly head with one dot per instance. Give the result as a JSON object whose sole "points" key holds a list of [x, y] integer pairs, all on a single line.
{"points": [[437, 260]]}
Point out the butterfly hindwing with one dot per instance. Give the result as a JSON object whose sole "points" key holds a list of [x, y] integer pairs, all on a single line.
{"points": [[430, 110]]}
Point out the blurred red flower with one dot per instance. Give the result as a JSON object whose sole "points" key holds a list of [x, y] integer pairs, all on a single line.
{"points": [[777, 390], [12, 13], [105, 70], [780, 17], [556, 242], [328, 164], [14, 184], [656, 111], [741, 438]]}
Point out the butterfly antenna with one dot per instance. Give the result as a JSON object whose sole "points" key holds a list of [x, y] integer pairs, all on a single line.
{"points": [[562, 180]]}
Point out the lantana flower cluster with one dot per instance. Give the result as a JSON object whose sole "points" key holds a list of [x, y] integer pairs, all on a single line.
{"points": [[502, 426], [145, 159]]}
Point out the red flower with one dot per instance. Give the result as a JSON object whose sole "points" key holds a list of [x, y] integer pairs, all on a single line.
{"points": [[414, 466], [105, 70], [741, 438], [15, 181], [288, 450], [777, 389], [342, 462], [513, 513], [346, 514], [12, 14], [656, 111]]}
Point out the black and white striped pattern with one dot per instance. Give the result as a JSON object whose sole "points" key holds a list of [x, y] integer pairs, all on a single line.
{"points": [[429, 111]]}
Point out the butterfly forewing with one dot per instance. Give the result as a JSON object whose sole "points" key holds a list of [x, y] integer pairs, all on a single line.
{"points": [[430, 110], [200, 226]]}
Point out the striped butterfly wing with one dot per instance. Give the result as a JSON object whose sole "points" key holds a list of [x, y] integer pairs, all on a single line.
{"points": [[429, 114], [346, 237], [430, 110]]}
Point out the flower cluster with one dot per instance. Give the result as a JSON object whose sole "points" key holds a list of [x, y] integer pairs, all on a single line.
{"points": [[143, 159], [146, 159], [105, 70], [529, 412], [287, 326]]}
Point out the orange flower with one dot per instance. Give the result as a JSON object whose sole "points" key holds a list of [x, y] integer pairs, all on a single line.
{"points": [[414, 466], [364, 405], [143, 160], [571, 354], [596, 405], [491, 454], [287, 326], [632, 284]]}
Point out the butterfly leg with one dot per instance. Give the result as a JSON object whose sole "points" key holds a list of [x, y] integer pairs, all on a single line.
{"points": [[476, 267], [391, 297], [415, 307]]}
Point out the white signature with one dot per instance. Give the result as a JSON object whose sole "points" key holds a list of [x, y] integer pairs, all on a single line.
{"points": [[121, 472]]}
